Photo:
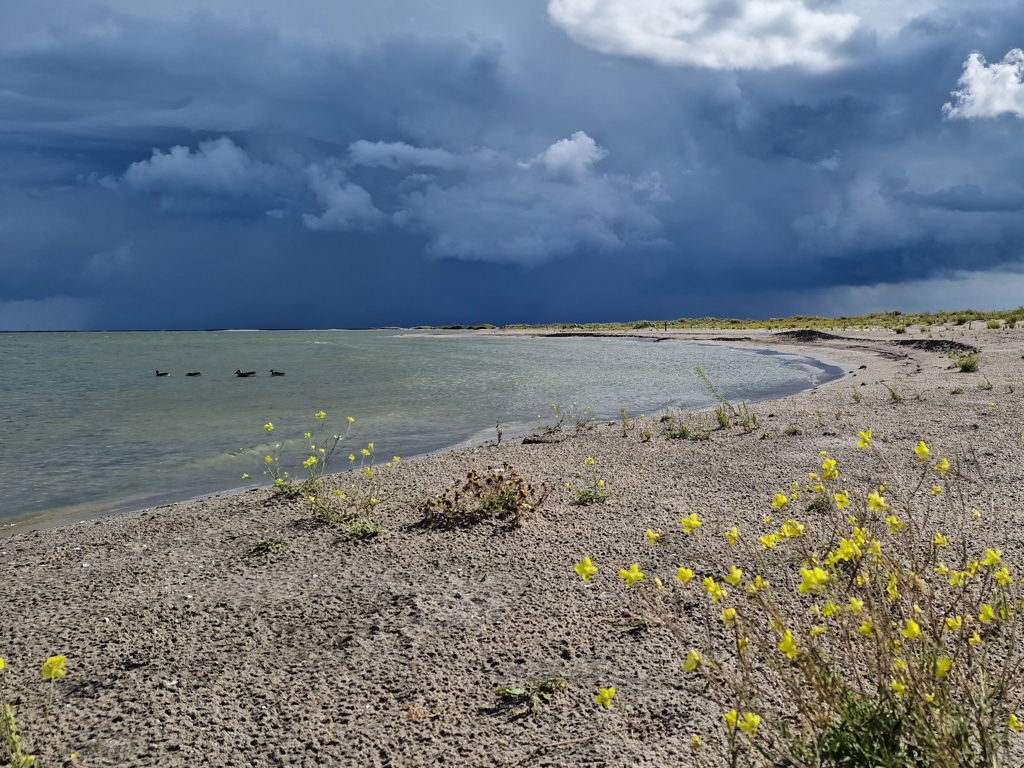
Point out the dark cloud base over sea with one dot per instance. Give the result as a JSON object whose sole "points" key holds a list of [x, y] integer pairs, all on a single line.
{"points": [[229, 164]]}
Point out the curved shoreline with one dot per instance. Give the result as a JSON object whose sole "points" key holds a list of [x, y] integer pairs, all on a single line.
{"points": [[184, 649], [139, 502]]}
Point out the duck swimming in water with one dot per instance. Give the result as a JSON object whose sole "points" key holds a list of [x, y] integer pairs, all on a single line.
{"points": [[276, 373], [161, 373], [194, 373], [244, 374]]}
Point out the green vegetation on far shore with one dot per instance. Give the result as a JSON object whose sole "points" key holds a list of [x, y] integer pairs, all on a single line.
{"points": [[895, 320]]}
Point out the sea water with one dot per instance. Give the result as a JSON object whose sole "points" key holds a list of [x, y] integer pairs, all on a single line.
{"points": [[87, 428]]}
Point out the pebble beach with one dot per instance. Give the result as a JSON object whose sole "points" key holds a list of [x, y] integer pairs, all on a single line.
{"points": [[186, 648]]}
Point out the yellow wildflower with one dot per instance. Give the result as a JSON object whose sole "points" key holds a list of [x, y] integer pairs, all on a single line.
{"points": [[894, 523], [731, 718], [856, 605], [988, 613], [975, 639], [922, 451], [812, 580], [842, 499], [2, 664], [652, 536], [942, 666], [742, 644], [818, 630], [864, 439], [867, 628], [954, 623], [898, 687], [791, 529], [714, 590], [604, 697], [769, 541], [684, 575], [732, 536], [351, 457], [309, 462], [632, 576], [696, 743], [788, 646], [693, 660], [757, 584], [892, 588], [830, 473], [53, 667], [320, 415], [585, 568], [993, 557], [269, 426], [735, 574], [912, 630], [1014, 723], [876, 502], [749, 724], [729, 617], [350, 420], [780, 502], [1002, 577], [940, 541], [942, 467], [690, 523], [936, 490], [589, 461]]}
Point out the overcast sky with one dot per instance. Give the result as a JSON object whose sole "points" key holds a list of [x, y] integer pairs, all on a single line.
{"points": [[342, 163]]}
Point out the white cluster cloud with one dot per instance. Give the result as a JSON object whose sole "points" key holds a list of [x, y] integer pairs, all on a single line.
{"points": [[716, 34], [346, 205], [219, 166], [989, 90], [570, 159], [527, 212]]}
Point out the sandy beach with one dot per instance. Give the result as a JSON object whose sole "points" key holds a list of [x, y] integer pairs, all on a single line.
{"points": [[185, 649]]}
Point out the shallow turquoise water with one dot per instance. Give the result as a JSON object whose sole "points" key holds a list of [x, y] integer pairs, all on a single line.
{"points": [[87, 428]]}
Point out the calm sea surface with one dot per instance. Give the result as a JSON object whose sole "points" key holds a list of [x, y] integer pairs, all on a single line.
{"points": [[87, 428]]}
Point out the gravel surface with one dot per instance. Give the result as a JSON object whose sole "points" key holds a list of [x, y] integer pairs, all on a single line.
{"points": [[185, 649]]}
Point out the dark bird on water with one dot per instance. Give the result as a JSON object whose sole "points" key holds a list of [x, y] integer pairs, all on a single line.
{"points": [[194, 373], [276, 373], [161, 373], [244, 374]]}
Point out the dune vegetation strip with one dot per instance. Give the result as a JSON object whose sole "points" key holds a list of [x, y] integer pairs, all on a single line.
{"points": [[832, 579]]}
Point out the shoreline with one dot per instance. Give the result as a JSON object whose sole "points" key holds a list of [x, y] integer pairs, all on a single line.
{"points": [[140, 502], [185, 649]]}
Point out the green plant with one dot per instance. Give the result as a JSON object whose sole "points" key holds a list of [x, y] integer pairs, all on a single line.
{"points": [[993, 324], [499, 494], [527, 698], [857, 397], [986, 386], [884, 630], [319, 452], [894, 396], [956, 391], [722, 417], [364, 528], [571, 416], [11, 750], [268, 544], [592, 491], [967, 362], [624, 417], [792, 431], [320, 449]]}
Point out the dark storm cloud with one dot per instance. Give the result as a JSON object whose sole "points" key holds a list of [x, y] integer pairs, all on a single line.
{"points": [[174, 167]]}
